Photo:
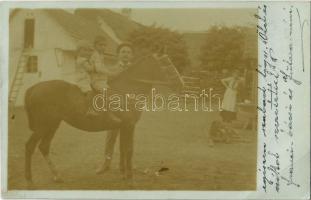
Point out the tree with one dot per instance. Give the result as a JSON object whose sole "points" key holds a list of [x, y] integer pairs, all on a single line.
{"points": [[153, 39], [223, 48]]}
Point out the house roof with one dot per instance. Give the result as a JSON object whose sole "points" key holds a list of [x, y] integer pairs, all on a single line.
{"points": [[13, 12], [121, 25], [78, 27], [83, 24]]}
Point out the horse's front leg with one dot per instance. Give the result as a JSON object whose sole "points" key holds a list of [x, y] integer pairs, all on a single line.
{"points": [[126, 150], [109, 149]]}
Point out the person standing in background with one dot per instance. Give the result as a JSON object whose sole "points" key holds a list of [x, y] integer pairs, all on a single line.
{"points": [[229, 103]]}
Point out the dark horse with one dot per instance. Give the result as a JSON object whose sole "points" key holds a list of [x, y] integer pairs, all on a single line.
{"points": [[51, 102]]}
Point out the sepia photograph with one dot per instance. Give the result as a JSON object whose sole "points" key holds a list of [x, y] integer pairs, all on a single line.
{"points": [[132, 99]]}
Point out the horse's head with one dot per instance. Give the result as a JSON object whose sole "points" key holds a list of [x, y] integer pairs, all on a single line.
{"points": [[147, 71], [158, 69]]}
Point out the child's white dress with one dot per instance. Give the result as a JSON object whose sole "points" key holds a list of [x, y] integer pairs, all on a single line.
{"points": [[83, 78]]}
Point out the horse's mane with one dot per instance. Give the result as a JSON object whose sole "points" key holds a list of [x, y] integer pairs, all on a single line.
{"points": [[143, 70], [132, 68]]}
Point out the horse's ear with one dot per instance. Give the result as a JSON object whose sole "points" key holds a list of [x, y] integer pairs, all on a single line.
{"points": [[161, 58], [164, 50], [155, 48], [161, 50]]}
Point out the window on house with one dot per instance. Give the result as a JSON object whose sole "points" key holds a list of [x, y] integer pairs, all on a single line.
{"points": [[29, 33], [32, 64]]}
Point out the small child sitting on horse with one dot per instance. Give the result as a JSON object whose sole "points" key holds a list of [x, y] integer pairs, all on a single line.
{"points": [[92, 73]]}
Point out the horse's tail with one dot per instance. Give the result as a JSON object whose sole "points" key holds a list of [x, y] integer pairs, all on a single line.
{"points": [[28, 101]]}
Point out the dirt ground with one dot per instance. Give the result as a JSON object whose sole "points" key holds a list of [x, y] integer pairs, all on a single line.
{"points": [[177, 141]]}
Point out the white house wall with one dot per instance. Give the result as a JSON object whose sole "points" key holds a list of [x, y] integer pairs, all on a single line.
{"points": [[48, 36]]}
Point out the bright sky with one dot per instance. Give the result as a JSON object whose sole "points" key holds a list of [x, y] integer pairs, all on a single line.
{"points": [[194, 19]]}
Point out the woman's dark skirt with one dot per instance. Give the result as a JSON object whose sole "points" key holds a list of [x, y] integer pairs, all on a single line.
{"points": [[228, 116]]}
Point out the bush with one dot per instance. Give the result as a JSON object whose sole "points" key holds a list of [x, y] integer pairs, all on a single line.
{"points": [[223, 48], [153, 39]]}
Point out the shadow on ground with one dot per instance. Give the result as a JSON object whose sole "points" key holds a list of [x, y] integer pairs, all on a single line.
{"points": [[174, 140]]}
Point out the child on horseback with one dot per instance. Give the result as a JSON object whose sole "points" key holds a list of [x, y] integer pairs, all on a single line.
{"points": [[100, 71], [93, 73], [83, 66]]}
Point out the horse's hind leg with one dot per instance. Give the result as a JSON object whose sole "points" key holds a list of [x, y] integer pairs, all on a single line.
{"points": [[44, 148], [30, 147]]}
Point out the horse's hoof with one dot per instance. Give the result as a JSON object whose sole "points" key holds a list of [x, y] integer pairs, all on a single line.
{"points": [[30, 185], [210, 143], [102, 170], [58, 179], [127, 176], [122, 170]]}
